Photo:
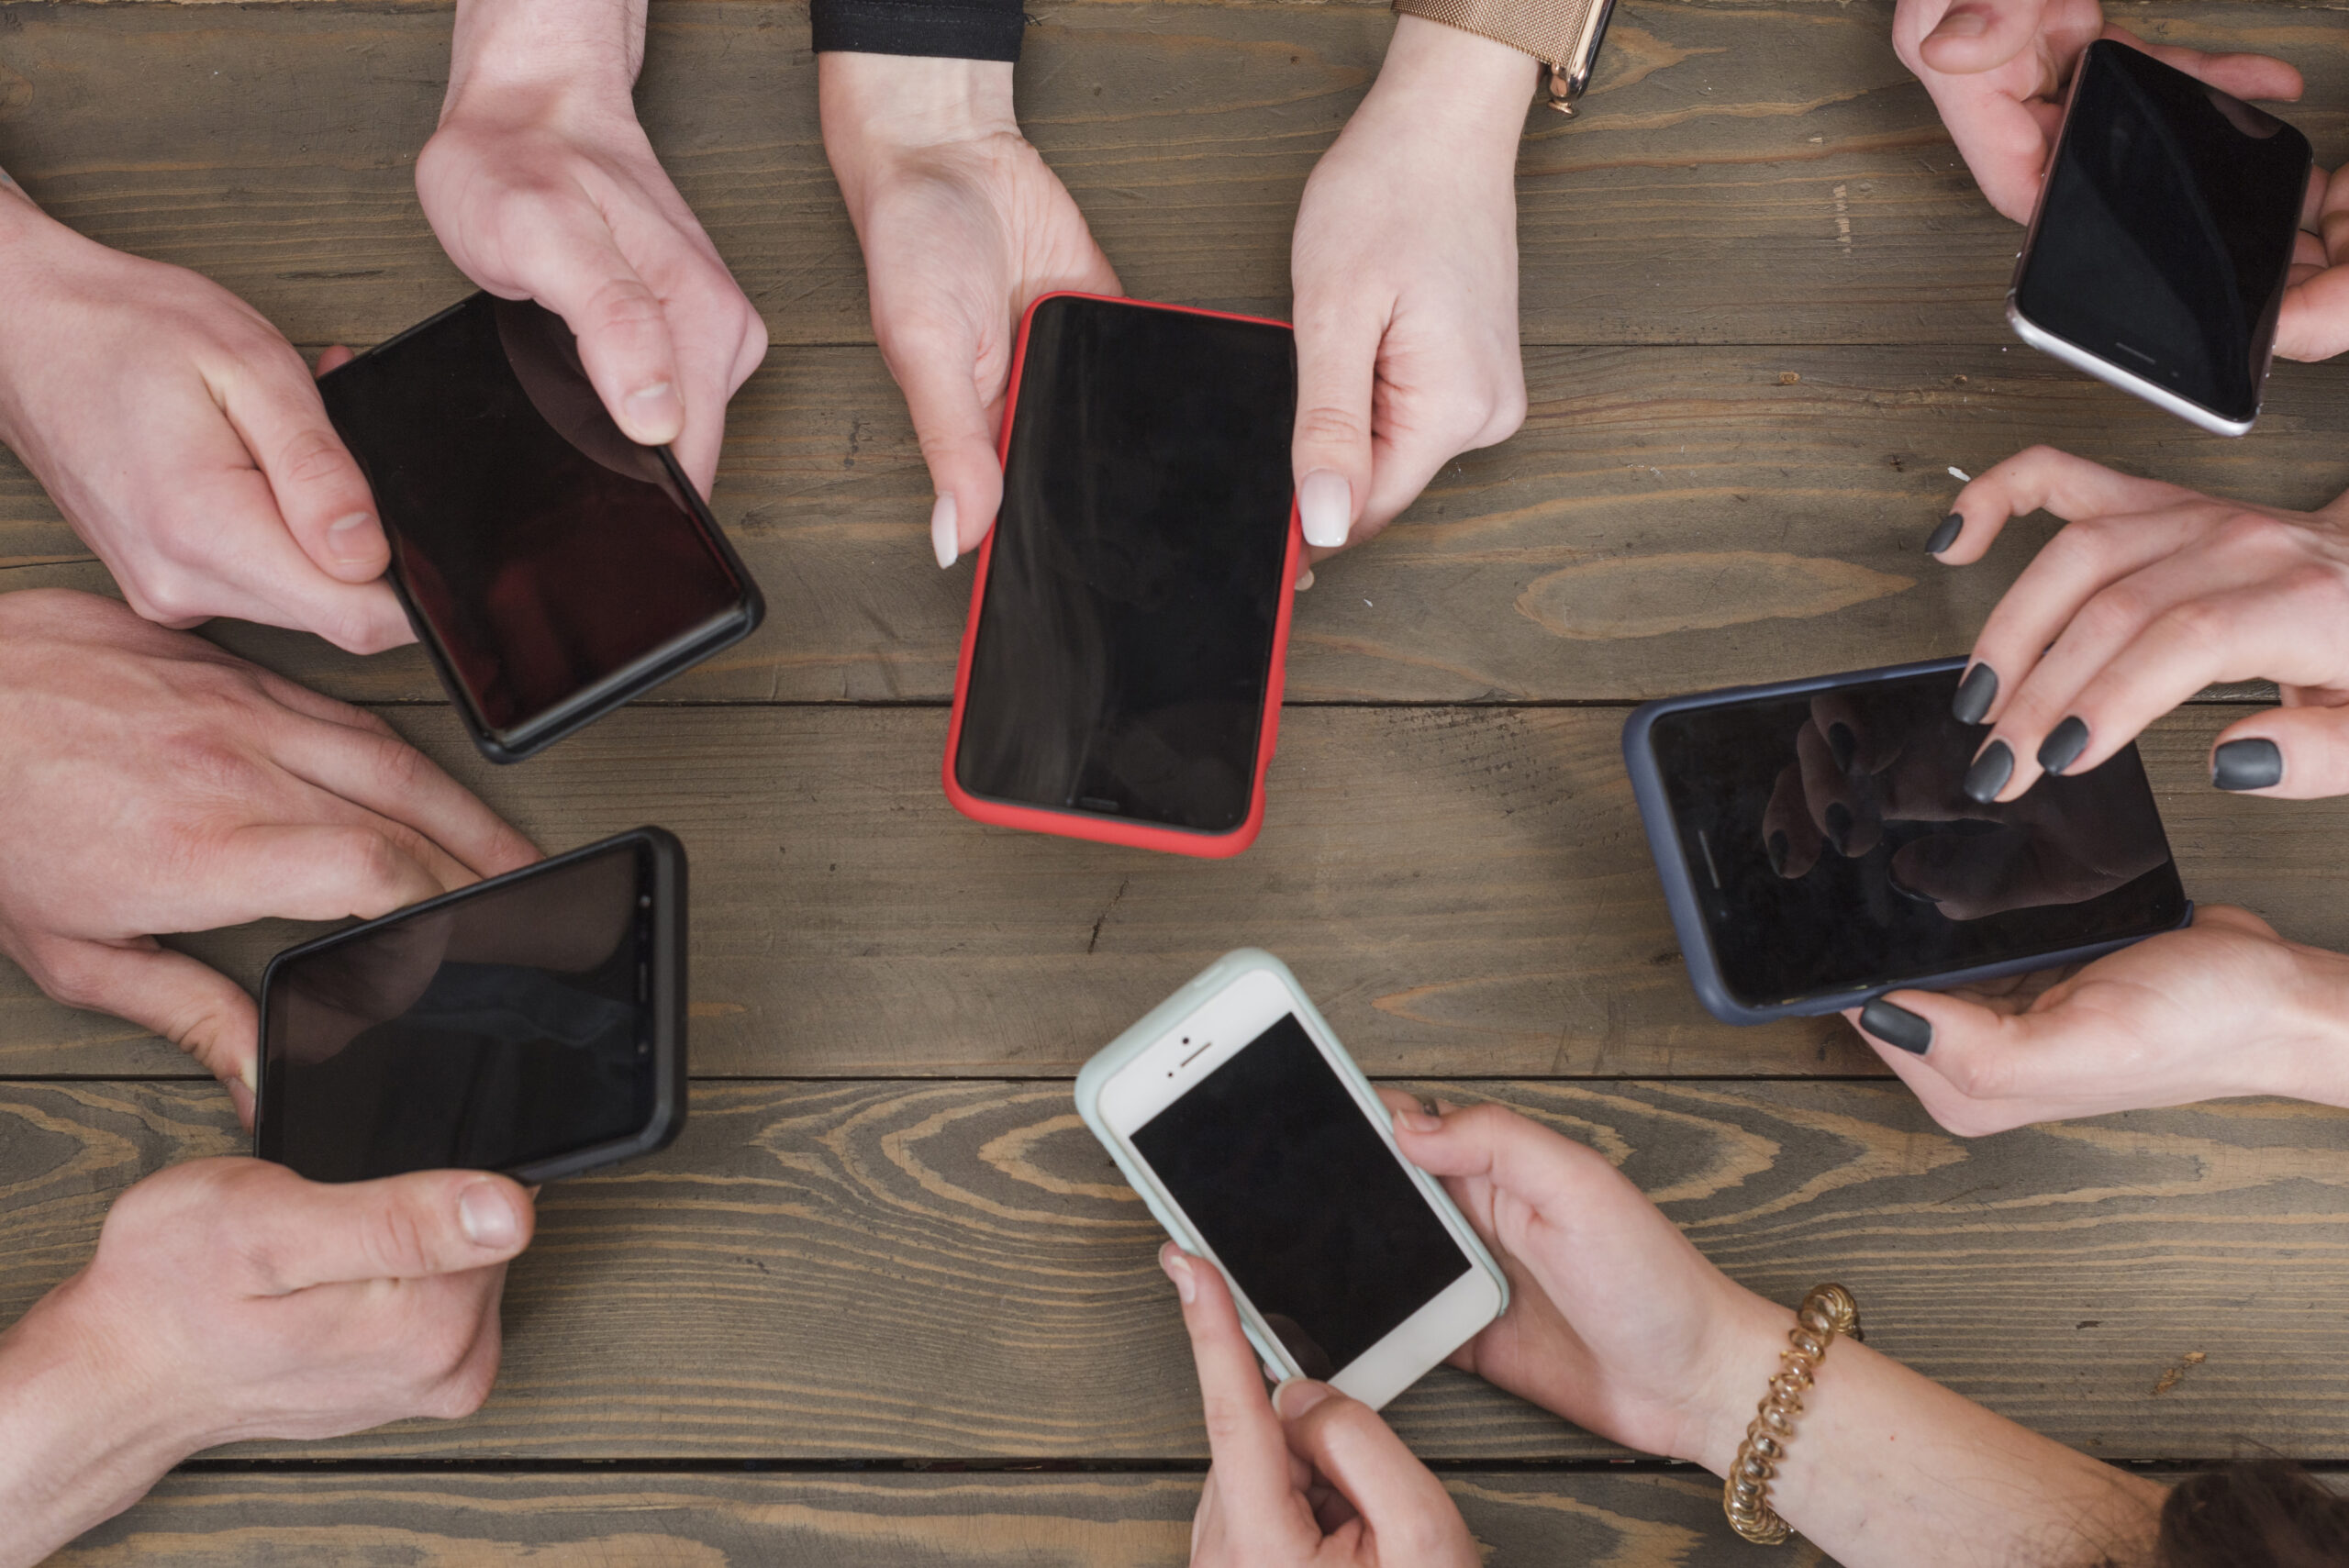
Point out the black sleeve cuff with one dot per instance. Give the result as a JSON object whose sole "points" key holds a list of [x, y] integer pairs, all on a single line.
{"points": [[951, 29]]}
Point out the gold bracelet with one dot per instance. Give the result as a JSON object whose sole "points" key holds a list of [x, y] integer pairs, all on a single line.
{"points": [[1827, 1311]]}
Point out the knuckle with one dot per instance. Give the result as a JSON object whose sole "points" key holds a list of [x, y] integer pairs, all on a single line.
{"points": [[396, 1241], [1324, 426], [2250, 533], [314, 457], [169, 594], [624, 304]]}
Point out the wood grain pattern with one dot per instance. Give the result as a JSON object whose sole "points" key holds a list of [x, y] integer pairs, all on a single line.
{"points": [[1744, 173], [1463, 891], [872, 1521], [954, 1269], [1668, 520]]}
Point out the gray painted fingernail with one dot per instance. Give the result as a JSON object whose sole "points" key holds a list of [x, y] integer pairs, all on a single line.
{"points": [[2247, 764], [2063, 745], [1892, 876], [1896, 1025], [1838, 824], [1777, 848], [1974, 695], [1944, 534], [1843, 743], [1989, 773]]}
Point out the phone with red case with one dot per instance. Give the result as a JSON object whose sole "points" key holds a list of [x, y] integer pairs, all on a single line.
{"points": [[1121, 676]]}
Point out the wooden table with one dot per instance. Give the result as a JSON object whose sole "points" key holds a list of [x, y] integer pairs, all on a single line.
{"points": [[885, 1302]]}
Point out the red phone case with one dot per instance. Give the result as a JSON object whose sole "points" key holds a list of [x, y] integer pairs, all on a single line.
{"points": [[1087, 825]]}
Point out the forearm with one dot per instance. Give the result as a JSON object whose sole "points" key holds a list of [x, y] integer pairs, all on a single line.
{"points": [[1889, 1469], [551, 45], [80, 1440], [879, 106]]}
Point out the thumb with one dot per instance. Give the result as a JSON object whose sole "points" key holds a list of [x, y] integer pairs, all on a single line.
{"points": [[957, 442], [198, 1008], [401, 1227], [1337, 358], [1980, 35], [321, 493], [625, 344], [2290, 754], [1406, 1507]]}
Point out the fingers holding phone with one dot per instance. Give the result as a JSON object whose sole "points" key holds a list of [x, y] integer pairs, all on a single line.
{"points": [[1306, 1475], [2315, 320]]}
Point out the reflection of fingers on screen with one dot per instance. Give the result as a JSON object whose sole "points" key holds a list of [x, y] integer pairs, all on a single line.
{"points": [[569, 922], [1789, 837], [1969, 875]]}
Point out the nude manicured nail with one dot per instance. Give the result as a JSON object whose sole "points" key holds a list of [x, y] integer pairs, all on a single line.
{"points": [[2247, 764], [1178, 1268], [1297, 1396], [1325, 508], [1896, 1025], [1974, 695], [942, 531], [2064, 744], [1944, 533], [487, 1217], [1989, 773], [654, 408]]}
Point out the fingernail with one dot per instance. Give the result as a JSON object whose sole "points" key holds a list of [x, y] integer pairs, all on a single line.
{"points": [[2063, 745], [1967, 24], [1892, 876], [1974, 695], [1418, 1121], [1896, 1025], [1944, 533], [339, 537], [942, 531], [1297, 1396], [1838, 824], [1778, 847], [1989, 773], [242, 1098], [1178, 1268], [1305, 579], [1842, 743], [1325, 507], [654, 408], [2247, 764], [487, 1217]]}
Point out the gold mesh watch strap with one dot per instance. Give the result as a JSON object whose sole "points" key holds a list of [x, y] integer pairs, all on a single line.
{"points": [[1549, 30]]}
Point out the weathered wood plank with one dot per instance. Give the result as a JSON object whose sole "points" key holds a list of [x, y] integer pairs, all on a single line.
{"points": [[1744, 173], [1463, 891], [955, 1271], [1668, 520]]}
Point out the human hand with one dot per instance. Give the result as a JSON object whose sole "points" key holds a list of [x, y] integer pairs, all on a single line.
{"points": [[1405, 269], [2151, 594], [1870, 763], [1673, 1375], [2315, 322], [231, 1299], [2224, 1007], [152, 783], [1308, 1476], [1998, 70], [184, 441], [541, 185], [963, 228]]}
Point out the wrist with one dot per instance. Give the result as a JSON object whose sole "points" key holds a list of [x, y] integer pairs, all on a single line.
{"points": [[877, 106], [1455, 85], [583, 49], [1743, 1360], [2312, 1026]]}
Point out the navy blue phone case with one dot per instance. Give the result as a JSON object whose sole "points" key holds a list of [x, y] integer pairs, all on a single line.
{"points": [[1680, 893]]}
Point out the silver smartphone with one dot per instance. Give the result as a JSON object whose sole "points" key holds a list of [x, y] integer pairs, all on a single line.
{"points": [[2158, 256]]}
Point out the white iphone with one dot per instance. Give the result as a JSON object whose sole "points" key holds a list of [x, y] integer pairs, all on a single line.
{"points": [[1260, 1146]]}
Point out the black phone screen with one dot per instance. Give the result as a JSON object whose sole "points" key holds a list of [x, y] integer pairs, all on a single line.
{"points": [[1833, 847], [1303, 1202], [2165, 232], [544, 551], [1125, 640], [484, 1033]]}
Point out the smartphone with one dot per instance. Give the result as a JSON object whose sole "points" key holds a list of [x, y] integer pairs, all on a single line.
{"points": [[1260, 1146], [1121, 676], [532, 1024], [552, 568], [2158, 256], [1818, 849]]}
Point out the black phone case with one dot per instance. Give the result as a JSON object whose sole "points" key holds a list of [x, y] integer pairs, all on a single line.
{"points": [[627, 685], [667, 1009]]}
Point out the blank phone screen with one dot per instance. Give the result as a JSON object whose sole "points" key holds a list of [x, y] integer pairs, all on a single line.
{"points": [[545, 551], [2166, 229], [486, 1034], [1307, 1207], [1125, 638], [1924, 881]]}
